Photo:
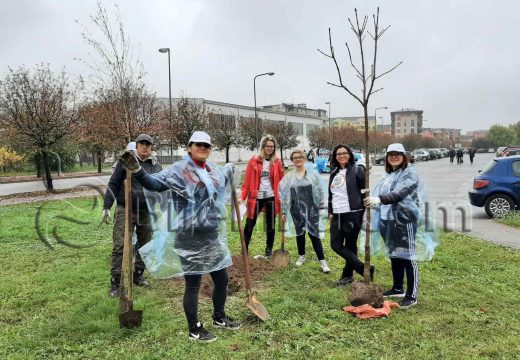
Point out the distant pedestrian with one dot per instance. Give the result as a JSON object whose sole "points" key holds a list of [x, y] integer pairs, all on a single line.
{"points": [[451, 153], [460, 155], [471, 155], [310, 156]]}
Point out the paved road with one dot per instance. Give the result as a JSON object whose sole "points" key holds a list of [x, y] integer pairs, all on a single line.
{"points": [[447, 185]]}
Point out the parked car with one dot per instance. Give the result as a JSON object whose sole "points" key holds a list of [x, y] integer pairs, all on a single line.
{"points": [[379, 159], [500, 149], [510, 151], [497, 186], [361, 160], [421, 155], [444, 151], [411, 157], [433, 154]]}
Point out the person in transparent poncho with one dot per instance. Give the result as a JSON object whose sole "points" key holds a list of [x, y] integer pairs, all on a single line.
{"points": [[396, 199], [301, 196], [193, 242]]}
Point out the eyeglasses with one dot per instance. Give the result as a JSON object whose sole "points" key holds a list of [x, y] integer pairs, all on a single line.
{"points": [[298, 158], [395, 154], [342, 154], [204, 145]]}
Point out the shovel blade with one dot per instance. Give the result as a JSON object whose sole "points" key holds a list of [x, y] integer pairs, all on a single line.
{"points": [[281, 258], [131, 319], [257, 308]]}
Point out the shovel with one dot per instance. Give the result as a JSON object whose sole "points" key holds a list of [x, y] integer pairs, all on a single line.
{"points": [[128, 317], [281, 256], [252, 303]]}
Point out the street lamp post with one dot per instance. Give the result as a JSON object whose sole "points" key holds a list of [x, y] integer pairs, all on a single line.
{"points": [[167, 50], [254, 91], [375, 119], [328, 103]]}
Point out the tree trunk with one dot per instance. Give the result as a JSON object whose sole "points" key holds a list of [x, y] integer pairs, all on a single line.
{"points": [[227, 154], [281, 157], [38, 163], [366, 272], [80, 161], [99, 161], [47, 169], [94, 158]]}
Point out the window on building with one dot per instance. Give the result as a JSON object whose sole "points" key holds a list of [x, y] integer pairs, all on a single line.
{"points": [[298, 127], [404, 131], [311, 127], [398, 124], [412, 122], [412, 131]]}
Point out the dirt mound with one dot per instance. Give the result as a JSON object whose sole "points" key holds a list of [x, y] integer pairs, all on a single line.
{"points": [[361, 293], [259, 269]]}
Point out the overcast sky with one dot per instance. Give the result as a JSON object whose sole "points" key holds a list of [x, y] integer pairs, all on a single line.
{"points": [[460, 62]]}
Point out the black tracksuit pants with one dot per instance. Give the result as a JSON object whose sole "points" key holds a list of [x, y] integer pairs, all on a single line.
{"points": [[316, 245], [344, 231]]}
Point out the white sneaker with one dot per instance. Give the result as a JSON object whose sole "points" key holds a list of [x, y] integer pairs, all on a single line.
{"points": [[301, 260], [324, 267]]}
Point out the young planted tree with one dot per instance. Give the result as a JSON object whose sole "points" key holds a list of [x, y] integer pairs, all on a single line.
{"points": [[223, 132], [43, 107], [368, 78], [285, 134]]}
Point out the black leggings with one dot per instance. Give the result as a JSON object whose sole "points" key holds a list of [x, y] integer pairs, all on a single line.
{"points": [[316, 244], [268, 205], [191, 295], [399, 266], [344, 231]]}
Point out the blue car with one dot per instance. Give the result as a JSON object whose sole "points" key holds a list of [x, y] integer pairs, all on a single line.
{"points": [[497, 186]]}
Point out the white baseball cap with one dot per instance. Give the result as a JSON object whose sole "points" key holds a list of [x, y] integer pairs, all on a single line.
{"points": [[200, 137], [397, 147]]}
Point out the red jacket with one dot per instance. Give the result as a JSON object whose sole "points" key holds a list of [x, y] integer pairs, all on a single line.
{"points": [[252, 183]]}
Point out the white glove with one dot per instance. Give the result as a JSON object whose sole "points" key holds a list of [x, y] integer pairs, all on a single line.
{"points": [[106, 216], [372, 201]]}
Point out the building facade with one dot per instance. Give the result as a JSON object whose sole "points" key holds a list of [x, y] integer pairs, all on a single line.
{"points": [[357, 122], [443, 135], [302, 118], [406, 122]]}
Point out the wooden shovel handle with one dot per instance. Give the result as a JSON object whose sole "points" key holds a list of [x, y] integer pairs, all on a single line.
{"points": [[242, 241], [127, 249]]}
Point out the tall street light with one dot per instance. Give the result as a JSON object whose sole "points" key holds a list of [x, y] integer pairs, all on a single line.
{"points": [[254, 90], [254, 84], [328, 103], [167, 50], [375, 120]]}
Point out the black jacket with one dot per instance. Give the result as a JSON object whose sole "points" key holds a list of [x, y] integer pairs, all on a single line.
{"points": [[355, 183], [116, 188]]}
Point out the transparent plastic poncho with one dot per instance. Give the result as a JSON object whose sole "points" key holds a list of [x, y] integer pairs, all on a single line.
{"points": [[302, 200], [412, 215], [188, 221]]}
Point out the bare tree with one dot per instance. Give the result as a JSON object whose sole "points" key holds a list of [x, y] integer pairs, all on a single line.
{"points": [[367, 90], [118, 75], [251, 131], [285, 134], [223, 131], [190, 117], [41, 106]]}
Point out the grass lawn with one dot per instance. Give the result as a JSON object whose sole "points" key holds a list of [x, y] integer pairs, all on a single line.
{"points": [[511, 219], [54, 304]]}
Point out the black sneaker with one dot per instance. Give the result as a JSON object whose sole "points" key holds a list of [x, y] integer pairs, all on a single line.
{"points": [[201, 334], [114, 287], [408, 302], [268, 252], [140, 281], [372, 270], [226, 322], [344, 281], [394, 293]]}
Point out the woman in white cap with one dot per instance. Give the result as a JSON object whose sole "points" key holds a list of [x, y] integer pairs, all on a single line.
{"points": [[190, 239], [262, 178], [302, 195], [396, 199]]}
